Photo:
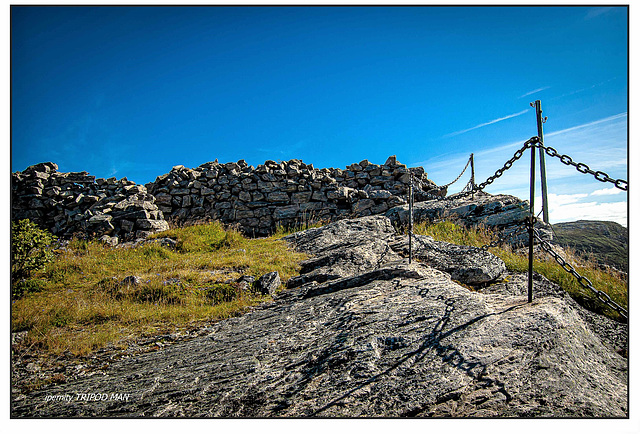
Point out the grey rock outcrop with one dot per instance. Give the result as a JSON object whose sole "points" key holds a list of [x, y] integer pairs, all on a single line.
{"points": [[268, 283], [465, 264], [366, 334], [500, 213]]}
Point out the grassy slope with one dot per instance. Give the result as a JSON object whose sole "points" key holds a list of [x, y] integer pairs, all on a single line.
{"points": [[78, 306], [608, 242], [611, 284]]}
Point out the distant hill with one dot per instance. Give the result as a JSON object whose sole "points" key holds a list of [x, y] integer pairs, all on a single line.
{"points": [[607, 241]]}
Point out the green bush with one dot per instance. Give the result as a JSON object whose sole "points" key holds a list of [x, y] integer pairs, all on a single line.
{"points": [[31, 249], [23, 286]]}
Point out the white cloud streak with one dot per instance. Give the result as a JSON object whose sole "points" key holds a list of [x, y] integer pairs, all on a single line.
{"points": [[616, 212], [540, 89], [593, 86], [457, 133], [596, 12], [606, 192], [589, 124], [571, 207]]}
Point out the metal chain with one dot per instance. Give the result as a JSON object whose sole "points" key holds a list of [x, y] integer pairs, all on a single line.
{"points": [[583, 168], [565, 159], [586, 283], [516, 156], [431, 196], [498, 173], [459, 176]]}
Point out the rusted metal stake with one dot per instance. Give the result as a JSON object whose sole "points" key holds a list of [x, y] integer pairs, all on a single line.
{"points": [[410, 217], [473, 178], [543, 169], [532, 194]]}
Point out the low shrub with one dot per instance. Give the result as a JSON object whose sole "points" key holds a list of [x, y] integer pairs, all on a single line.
{"points": [[31, 250], [24, 286]]}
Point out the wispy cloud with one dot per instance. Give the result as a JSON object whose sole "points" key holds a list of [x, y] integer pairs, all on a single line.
{"points": [[601, 143], [588, 124], [616, 211], [494, 121], [593, 86], [596, 12], [113, 171], [572, 207], [540, 89]]}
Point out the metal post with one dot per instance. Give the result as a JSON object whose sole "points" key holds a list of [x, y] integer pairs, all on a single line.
{"points": [[532, 194], [473, 178], [543, 169], [410, 216]]}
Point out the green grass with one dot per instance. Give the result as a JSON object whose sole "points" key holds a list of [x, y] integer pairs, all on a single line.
{"points": [[612, 284], [307, 221], [77, 303]]}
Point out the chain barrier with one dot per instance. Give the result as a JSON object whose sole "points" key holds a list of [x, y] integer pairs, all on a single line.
{"points": [[583, 168], [459, 176], [533, 141], [583, 281], [420, 184], [470, 189], [516, 156], [478, 187]]}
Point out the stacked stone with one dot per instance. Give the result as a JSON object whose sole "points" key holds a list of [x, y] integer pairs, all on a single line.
{"points": [[77, 204], [286, 193]]}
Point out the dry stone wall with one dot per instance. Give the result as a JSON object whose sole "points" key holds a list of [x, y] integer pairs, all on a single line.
{"points": [[258, 199], [78, 204], [287, 193]]}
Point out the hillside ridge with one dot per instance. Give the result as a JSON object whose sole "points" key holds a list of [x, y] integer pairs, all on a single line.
{"points": [[604, 241]]}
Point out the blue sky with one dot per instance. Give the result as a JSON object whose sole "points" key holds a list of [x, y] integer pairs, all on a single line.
{"points": [[133, 91]]}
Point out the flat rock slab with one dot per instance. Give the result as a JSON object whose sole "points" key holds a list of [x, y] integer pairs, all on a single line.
{"points": [[501, 213], [389, 339]]}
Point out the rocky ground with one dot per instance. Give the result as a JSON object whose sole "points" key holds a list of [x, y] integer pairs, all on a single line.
{"points": [[363, 333]]}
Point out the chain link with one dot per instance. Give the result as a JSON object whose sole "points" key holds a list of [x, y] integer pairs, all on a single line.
{"points": [[583, 168], [478, 187], [423, 184], [535, 142], [583, 281]]}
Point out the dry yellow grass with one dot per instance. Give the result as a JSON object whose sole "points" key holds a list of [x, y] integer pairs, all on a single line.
{"points": [[78, 306]]}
